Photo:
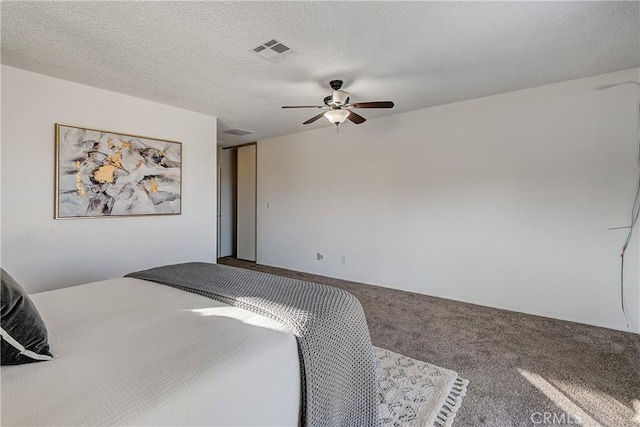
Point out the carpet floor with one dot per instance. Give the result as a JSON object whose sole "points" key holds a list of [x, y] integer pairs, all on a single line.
{"points": [[523, 370]]}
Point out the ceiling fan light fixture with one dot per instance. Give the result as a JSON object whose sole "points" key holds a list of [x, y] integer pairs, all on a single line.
{"points": [[337, 116]]}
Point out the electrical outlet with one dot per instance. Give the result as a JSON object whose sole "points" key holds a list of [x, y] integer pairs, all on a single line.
{"points": [[343, 259], [319, 256]]}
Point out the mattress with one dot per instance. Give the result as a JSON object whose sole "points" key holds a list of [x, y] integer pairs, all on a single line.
{"points": [[133, 352]]}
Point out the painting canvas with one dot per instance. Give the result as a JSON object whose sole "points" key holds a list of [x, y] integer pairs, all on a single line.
{"points": [[104, 174]]}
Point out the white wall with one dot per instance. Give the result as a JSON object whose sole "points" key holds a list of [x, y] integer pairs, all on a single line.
{"points": [[43, 253], [503, 201]]}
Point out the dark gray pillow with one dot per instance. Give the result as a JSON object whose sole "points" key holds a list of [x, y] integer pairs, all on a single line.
{"points": [[24, 335]]}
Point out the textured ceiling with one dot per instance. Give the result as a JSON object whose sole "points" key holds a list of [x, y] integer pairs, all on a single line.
{"points": [[196, 55]]}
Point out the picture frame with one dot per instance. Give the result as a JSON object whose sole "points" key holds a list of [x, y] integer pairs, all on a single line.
{"points": [[102, 174]]}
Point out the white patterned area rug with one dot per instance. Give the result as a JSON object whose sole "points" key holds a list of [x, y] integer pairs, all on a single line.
{"points": [[415, 393]]}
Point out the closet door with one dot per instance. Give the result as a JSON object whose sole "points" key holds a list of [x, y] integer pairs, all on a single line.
{"points": [[227, 202], [246, 207]]}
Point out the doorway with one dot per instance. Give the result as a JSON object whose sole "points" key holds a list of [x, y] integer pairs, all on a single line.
{"points": [[237, 202]]}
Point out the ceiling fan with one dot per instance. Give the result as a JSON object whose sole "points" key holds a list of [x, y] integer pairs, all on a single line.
{"points": [[338, 106]]}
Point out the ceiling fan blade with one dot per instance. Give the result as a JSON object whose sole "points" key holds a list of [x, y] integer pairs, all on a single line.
{"points": [[304, 106], [313, 119], [356, 118], [374, 104]]}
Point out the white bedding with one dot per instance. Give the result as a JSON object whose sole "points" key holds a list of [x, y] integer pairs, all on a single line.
{"points": [[132, 352]]}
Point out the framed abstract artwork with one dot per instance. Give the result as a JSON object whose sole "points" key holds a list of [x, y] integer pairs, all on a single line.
{"points": [[105, 174]]}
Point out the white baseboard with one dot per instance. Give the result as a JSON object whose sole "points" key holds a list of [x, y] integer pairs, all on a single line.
{"points": [[483, 304]]}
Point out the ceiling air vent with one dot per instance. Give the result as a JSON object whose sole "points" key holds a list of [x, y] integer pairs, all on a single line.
{"points": [[273, 50], [238, 132]]}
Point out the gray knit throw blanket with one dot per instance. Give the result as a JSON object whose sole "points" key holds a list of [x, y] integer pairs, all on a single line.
{"points": [[337, 364]]}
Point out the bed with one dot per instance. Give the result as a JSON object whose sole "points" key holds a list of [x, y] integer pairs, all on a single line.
{"points": [[135, 352]]}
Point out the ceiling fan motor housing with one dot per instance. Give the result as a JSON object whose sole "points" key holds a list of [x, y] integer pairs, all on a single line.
{"points": [[337, 99], [340, 97]]}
